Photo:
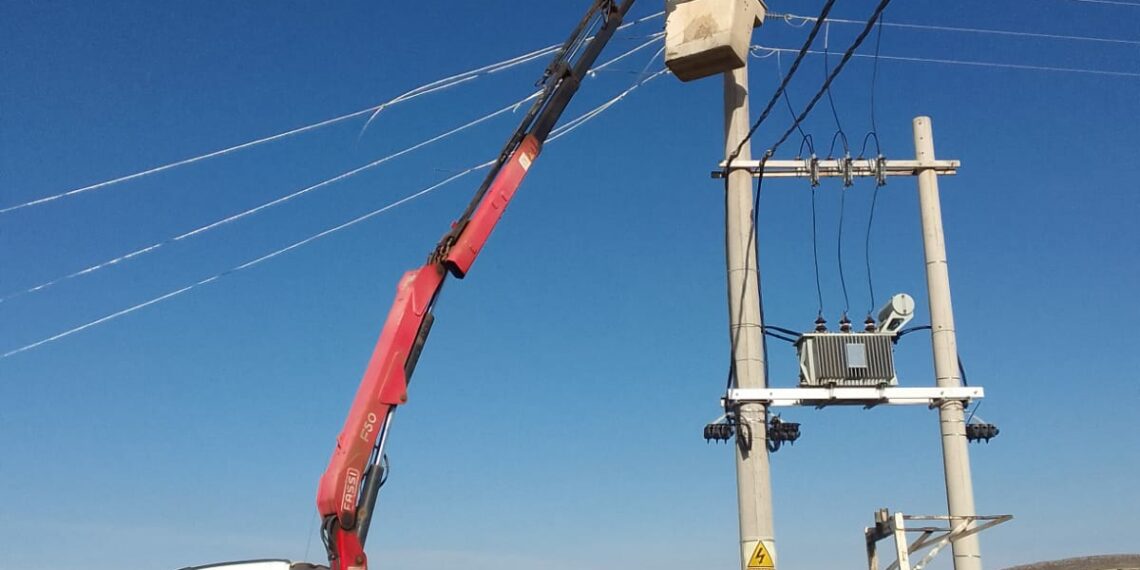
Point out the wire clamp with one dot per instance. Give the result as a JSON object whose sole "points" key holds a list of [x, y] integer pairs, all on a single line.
{"points": [[848, 173], [880, 171]]}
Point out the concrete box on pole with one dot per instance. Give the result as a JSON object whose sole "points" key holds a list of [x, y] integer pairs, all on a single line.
{"points": [[707, 37], [951, 413]]}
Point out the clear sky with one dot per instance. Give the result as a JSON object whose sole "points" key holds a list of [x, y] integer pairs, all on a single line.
{"points": [[555, 418]]}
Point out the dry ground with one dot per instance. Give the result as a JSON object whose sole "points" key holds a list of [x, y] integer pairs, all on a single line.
{"points": [[1110, 562]]}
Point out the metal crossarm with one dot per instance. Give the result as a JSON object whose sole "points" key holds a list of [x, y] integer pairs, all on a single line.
{"points": [[867, 397], [841, 167]]}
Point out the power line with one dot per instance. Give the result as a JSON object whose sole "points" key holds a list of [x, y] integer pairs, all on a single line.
{"points": [[245, 265], [868, 26], [874, 132], [789, 17], [251, 211], [573, 124], [1111, 2], [759, 276], [839, 254], [867, 247], [275, 202], [780, 90], [815, 254], [431, 87], [650, 40], [783, 84], [806, 139], [564, 130], [839, 134], [547, 50], [407, 96], [835, 73], [972, 63]]}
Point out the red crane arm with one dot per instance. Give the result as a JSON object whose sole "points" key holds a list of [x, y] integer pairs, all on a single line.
{"points": [[346, 498], [385, 385], [463, 253], [342, 498]]}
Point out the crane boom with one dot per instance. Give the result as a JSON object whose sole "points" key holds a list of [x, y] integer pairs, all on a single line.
{"points": [[348, 489]]}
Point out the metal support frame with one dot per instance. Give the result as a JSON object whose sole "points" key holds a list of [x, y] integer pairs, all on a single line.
{"points": [[949, 397], [934, 537], [866, 397]]}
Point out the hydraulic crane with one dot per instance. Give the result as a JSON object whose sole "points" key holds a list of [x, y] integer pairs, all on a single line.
{"points": [[346, 498], [349, 487]]}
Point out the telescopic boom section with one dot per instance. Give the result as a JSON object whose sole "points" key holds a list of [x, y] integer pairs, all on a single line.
{"points": [[349, 487]]}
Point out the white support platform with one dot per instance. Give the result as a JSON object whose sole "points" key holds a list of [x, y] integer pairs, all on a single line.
{"points": [[841, 168], [867, 397], [942, 531]]}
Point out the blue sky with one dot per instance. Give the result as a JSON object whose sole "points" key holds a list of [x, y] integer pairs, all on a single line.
{"points": [[555, 417]]}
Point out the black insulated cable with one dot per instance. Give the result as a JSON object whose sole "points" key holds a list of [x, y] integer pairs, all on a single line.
{"points": [[847, 55]]}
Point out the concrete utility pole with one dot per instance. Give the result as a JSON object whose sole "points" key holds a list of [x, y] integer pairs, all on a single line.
{"points": [[951, 413], [704, 38], [753, 477]]}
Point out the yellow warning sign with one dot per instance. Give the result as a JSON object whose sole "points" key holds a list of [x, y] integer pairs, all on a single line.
{"points": [[761, 558]]}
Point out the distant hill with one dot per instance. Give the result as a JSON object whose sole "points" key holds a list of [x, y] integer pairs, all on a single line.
{"points": [[1110, 562]]}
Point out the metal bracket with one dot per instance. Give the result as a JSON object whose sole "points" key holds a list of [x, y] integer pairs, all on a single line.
{"points": [[866, 397], [848, 172]]}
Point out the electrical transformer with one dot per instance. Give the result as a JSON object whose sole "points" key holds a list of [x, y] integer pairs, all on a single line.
{"points": [[845, 359]]}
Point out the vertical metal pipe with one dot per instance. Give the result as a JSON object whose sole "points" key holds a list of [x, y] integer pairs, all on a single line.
{"points": [[951, 414], [754, 485]]}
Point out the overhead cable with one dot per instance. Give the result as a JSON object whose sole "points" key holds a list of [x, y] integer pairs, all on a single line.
{"points": [[972, 63], [839, 134], [425, 89], [342, 176], [815, 255], [431, 87], [839, 253], [641, 79], [529, 57], [751, 235], [652, 38], [753, 244], [804, 49], [803, 115], [251, 211], [592, 113], [1038, 35], [867, 248], [874, 132], [834, 73], [734, 340], [247, 264], [1110, 2], [805, 139]]}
